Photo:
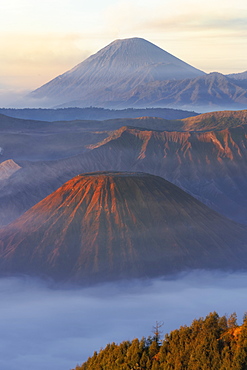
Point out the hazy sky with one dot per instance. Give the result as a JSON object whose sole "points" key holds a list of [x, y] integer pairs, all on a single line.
{"points": [[46, 329], [40, 40]]}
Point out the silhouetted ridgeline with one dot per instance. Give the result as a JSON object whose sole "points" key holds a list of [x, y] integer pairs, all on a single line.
{"points": [[93, 113], [213, 343]]}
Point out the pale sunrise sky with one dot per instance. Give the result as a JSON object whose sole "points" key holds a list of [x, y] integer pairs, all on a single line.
{"points": [[42, 39]]}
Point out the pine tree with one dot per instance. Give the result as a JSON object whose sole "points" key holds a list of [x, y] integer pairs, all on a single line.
{"points": [[213, 343]]}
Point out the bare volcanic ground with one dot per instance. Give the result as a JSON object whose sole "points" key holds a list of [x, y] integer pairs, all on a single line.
{"points": [[113, 225], [210, 165]]}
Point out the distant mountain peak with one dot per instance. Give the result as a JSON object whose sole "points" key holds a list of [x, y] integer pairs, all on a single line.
{"points": [[135, 51], [130, 40], [113, 71]]}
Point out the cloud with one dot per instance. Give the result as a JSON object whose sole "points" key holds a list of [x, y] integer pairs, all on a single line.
{"points": [[177, 15], [54, 329], [18, 98]]}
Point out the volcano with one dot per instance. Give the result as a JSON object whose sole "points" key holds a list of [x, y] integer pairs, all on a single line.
{"points": [[106, 77], [113, 225]]}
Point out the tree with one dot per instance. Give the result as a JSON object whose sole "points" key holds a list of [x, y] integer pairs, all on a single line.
{"points": [[157, 332]]}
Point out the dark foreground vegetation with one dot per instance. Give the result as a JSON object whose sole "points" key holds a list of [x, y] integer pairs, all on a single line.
{"points": [[213, 343]]}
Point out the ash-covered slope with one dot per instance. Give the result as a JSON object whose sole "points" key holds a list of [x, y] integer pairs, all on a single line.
{"points": [[107, 226], [104, 77]]}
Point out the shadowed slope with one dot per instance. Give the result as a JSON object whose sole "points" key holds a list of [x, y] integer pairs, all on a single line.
{"points": [[213, 91], [106, 226]]}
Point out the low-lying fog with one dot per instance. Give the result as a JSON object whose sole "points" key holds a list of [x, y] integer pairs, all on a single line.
{"points": [[54, 329]]}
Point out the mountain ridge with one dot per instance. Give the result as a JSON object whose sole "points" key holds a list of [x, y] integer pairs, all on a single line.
{"points": [[136, 73], [92, 113], [211, 91], [210, 165]]}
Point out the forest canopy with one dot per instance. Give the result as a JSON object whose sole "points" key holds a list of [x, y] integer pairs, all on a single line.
{"points": [[211, 343]]}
